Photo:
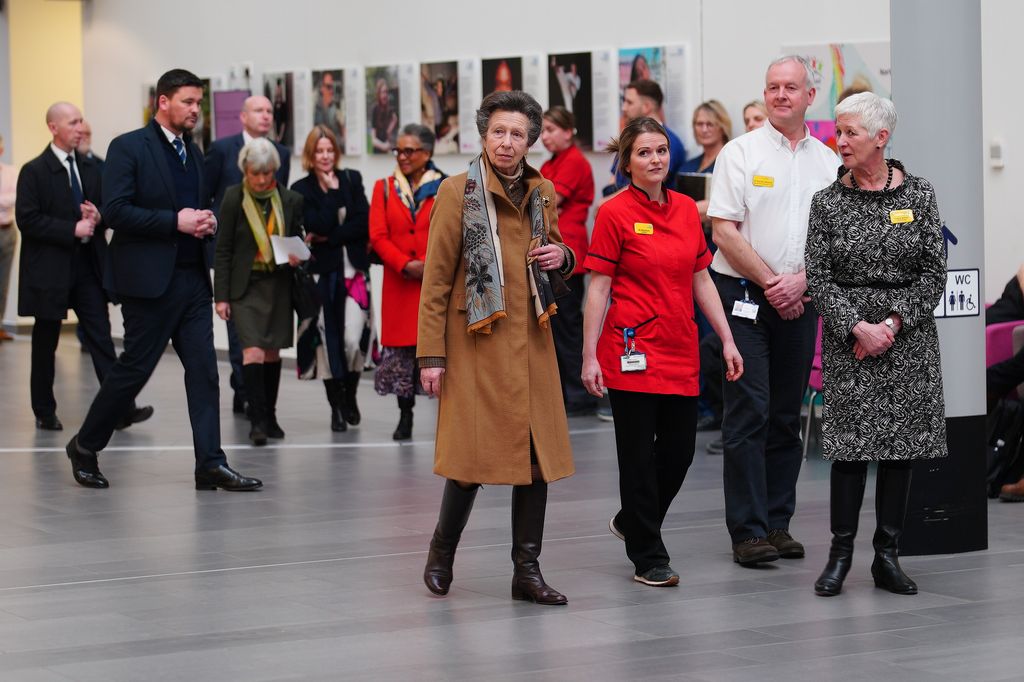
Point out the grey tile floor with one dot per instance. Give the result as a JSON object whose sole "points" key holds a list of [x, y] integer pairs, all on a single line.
{"points": [[317, 576]]}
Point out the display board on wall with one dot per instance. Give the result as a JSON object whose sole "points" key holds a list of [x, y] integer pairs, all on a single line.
{"points": [[279, 88], [328, 95], [382, 107], [571, 85], [470, 87], [227, 106], [439, 104], [355, 112], [837, 67]]}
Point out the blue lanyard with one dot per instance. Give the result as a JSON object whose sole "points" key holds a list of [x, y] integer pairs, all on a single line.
{"points": [[629, 340]]}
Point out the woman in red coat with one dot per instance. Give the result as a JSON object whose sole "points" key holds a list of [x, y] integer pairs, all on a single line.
{"points": [[399, 221]]}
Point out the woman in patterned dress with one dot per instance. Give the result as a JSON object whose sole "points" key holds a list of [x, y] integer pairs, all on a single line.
{"points": [[876, 271]]}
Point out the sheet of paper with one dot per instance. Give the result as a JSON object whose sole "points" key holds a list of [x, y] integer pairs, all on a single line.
{"points": [[285, 246]]}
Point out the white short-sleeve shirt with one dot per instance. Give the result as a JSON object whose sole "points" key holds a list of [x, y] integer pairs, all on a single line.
{"points": [[766, 186]]}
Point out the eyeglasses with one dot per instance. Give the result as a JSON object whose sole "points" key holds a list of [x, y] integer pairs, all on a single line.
{"points": [[406, 151]]}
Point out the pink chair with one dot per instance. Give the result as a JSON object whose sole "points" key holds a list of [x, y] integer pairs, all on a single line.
{"points": [[813, 387], [999, 343]]}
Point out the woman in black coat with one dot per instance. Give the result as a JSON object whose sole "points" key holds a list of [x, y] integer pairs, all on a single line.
{"points": [[337, 225], [249, 287]]}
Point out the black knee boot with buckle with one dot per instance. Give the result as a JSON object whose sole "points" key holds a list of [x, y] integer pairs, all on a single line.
{"points": [[891, 495], [456, 504], [404, 429], [336, 396], [255, 390], [846, 497]]}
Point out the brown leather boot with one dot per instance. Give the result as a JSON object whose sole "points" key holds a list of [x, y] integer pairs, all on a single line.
{"points": [[529, 502], [456, 504]]}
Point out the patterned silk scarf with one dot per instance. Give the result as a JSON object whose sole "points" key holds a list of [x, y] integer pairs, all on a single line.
{"points": [[412, 197], [481, 249], [262, 228]]}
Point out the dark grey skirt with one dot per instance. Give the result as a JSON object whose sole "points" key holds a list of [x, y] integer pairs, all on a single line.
{"points": [[263, 315]]}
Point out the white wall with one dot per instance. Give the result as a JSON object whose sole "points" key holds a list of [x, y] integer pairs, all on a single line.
{"points": [[1003, 99]]}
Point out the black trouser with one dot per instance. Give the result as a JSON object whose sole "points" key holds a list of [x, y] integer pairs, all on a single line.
{"points": [[711, 372], [654, 441], [182, 316], [761, 422], [567, 330], [89, 302]]}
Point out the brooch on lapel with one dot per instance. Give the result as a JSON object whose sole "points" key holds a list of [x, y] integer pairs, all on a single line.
{"points": [[545, 200]]}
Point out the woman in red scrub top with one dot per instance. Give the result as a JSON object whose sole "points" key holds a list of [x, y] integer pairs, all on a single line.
{"points": [[648, 262]]}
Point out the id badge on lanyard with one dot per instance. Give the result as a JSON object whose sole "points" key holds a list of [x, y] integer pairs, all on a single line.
{"points": [[745, 307], [631, 360]]}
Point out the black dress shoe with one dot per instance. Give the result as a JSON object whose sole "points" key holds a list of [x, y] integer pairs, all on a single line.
{"points": [[49, 423], [225, 478], [136, 415], [84, 466], [709, 423]]}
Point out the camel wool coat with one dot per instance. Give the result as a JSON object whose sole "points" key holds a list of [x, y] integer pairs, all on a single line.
{"points": [[498, 388]]}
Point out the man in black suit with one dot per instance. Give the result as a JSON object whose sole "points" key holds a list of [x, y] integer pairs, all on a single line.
{"points": [[222, 171], [153, 191], [62, 253]]}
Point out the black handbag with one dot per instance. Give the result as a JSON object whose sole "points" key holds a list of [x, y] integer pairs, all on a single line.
{"points": [[305, 295]]}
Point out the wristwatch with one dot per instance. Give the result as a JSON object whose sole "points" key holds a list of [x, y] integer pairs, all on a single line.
{"points": [[891, 324]]}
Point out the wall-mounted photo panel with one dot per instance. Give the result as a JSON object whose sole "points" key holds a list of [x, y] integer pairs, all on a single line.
{"points": [[501, 74], [148, 103], [605, 77], [279, 88], [227, 107], [570, 84], [838, 68], [636, 64], [669, 68], [469, 100], [328, 95], [202, 133], [439, 104], [382, 106], [355, 112]]}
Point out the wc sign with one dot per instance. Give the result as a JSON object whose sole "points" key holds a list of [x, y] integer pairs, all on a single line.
{"points": [[961, 297]]}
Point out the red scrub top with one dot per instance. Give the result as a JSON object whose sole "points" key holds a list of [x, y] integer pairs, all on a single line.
{"points": [[651, 251], [570, 173]]}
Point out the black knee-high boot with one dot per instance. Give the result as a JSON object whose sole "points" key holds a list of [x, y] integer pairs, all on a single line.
{"points": [[846, 497], [891, 495], [404, 429], [255, 391], [456, 504], [529, 502], [335, 396], [272, 385], [349, 407]]}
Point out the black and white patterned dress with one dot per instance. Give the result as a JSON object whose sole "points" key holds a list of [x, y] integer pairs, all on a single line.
{"points": [[862, 264]]}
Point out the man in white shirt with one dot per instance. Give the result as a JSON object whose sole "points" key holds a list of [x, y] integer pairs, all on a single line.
{"points": [[763, 184]]}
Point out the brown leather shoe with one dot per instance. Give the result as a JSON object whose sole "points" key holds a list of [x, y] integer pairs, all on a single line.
{"points": [[1012, 492], [753, 551], [783, 542]]}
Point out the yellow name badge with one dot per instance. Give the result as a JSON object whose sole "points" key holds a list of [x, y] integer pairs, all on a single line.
{"points": [[764, 181], [905, 215], [643, 228]]}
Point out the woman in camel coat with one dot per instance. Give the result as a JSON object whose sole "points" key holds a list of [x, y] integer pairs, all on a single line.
{"points": [[486, 350]]}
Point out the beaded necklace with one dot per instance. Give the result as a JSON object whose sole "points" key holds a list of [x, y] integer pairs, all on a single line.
{"points": [[888, 180]]}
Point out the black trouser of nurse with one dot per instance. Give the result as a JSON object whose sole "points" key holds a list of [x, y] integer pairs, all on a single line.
{"points": [[87, 298], [567, 330], [654, 441], [761, 421], [182, 316]]}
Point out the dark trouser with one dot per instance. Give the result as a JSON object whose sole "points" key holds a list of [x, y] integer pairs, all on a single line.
{"points": [[87, 299], [235, 357], [567, 330], [654, 441], [182, 316], [761, 423]]}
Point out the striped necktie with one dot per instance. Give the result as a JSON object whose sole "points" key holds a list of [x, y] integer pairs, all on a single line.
{"points": [[179, 147]]}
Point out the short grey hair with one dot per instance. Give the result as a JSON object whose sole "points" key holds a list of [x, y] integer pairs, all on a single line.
{"points": [[808, 71], [875, 113], [260, 155], [422, 133], [515, 101]]}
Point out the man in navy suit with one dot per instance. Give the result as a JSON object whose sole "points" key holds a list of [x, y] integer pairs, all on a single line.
{"points": [[153, 194], [62, 254], [222, 171]]}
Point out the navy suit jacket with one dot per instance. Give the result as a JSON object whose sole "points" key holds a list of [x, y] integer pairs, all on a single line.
{"points": [[141, 206], [222, 167], [46, 216]]}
